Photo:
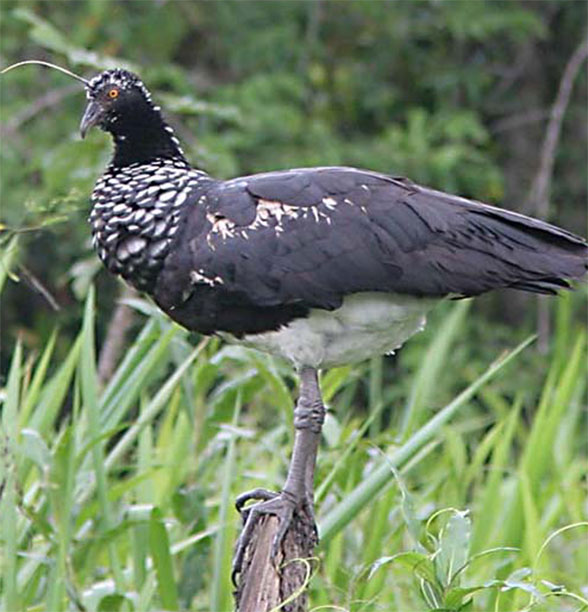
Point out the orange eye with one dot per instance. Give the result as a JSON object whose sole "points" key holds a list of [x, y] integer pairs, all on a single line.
{"points": [[113, 93]]}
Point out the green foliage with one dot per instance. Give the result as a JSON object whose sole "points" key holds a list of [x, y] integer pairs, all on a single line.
{"points": [[102, 509], [440, 562]]}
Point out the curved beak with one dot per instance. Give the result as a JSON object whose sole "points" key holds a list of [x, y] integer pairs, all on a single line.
{"points": [[92, 116]]}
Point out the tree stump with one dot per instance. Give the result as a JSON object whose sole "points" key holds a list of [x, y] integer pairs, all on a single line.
{"points": [[263, 585]]}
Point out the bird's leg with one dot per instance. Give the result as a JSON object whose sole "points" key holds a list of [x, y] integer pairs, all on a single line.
{"points": [[309, 483], [316, 418], [309, 415]]}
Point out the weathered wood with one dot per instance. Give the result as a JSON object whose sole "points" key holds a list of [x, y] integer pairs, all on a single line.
{"points": [[263, 586]]}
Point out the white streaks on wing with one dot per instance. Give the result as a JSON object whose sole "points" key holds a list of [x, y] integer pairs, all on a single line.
{"points": [[269, 209], [222, 226], [269, 214], [280, 212], [200, 277]]}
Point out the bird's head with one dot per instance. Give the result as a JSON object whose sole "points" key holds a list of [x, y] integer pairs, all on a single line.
{"points": [[117, 102], [120, 104]]}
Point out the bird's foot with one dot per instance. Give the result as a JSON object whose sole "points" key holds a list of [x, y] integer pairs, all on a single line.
{"points": [[256, 494], [283, 505]]}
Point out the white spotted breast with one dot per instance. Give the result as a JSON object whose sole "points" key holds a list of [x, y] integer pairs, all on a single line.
{"points": [[136, 213]]}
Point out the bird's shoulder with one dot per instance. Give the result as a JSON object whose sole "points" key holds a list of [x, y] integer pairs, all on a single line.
{"points": [[308, 237], [301, 188], [304, 236]]}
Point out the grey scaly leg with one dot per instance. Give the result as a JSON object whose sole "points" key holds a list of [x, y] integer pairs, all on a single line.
{"points": [[309, 415]]}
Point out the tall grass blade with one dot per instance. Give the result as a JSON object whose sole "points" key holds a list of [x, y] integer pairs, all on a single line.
{"points": [[426, 381], [131, 378], [9, 496], [220, 587], [539, 448], [365, 492], [153, 408], [61, 479], [489, 513], [162, 560], [89, 385], [52, 397], [36, 385]]}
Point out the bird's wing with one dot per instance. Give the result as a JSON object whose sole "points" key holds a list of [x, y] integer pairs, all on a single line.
{"points": [[312, 236]]}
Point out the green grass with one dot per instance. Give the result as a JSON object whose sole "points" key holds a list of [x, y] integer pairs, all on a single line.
{"points": [[466, 496]]}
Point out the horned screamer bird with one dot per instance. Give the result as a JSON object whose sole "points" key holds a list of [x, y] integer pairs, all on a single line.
{"points": [[321, 266]]}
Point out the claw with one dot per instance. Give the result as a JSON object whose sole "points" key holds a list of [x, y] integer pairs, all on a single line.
{"points": [[284, 525], [260, 494], [281, 505]]}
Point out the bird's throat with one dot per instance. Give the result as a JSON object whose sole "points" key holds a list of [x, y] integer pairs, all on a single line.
{"points": [[142, 139]]}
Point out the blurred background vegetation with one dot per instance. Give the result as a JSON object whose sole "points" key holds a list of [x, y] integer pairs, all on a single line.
{"points": [[456, 95]]}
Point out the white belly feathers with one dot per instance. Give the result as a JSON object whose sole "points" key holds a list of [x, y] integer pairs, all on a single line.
{"points": [[366, 324]]}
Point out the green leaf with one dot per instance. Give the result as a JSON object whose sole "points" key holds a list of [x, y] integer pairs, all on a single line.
{"points": [[454, 597], [61, 479], [42, 32], [49, 37], [162, 560], [417, 562], [518, 580], [454, 544], [8, 256], [408, 510], [115, 603], [33, 447]]}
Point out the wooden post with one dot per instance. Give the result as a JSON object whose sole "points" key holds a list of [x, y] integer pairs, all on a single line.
{"points": [[263, 586]]}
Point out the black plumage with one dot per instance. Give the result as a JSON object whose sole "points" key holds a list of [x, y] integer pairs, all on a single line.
{"points": [[250, 254], [320, 265], [348, 231]]}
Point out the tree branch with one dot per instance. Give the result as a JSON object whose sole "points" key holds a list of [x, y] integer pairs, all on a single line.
{"points": [[120, 322], [539, 194], [540, 191], [38, 286]]}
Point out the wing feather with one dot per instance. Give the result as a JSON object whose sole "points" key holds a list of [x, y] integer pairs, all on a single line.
{"points": [[312, 236]]}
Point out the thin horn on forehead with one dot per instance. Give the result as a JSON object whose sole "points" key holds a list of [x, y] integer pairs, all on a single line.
{"points": [[49, 65]]}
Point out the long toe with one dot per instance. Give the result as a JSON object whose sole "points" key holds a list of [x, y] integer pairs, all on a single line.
{"points": [[281, 505], [255, 494]]}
